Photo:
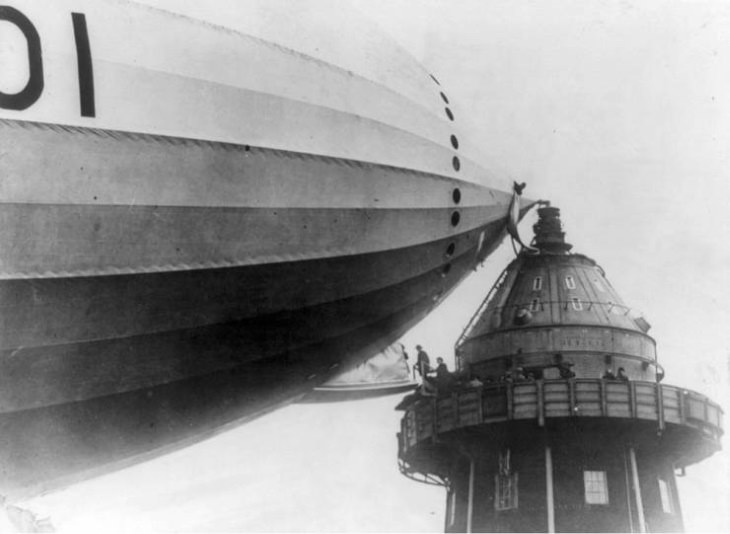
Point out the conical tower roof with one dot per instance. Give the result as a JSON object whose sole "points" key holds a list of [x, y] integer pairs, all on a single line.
{"points": [[550, 306]]}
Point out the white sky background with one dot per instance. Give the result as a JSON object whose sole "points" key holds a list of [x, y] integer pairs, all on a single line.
{"points": [[618, 113]]}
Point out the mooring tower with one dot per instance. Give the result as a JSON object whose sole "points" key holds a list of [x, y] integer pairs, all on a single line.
{"points": [[557, 419]]}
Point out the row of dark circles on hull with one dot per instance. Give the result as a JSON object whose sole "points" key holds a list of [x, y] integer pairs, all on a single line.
{"points": [[456, 193], [455, 219], [454, 141]]}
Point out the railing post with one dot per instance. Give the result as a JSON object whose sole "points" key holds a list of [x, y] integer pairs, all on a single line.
{"points": [[660, 405], [632, 399], [480, 407], [682, 407], [571, 392], [540, 403]]}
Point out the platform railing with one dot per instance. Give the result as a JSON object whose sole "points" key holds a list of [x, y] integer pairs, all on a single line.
{"points": [[541, 400]]}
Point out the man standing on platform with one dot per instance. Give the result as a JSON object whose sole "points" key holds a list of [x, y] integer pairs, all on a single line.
{"points": [[423, 364]]}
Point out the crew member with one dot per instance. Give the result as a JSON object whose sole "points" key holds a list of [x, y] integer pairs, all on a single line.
{"points": [[443, 377], [422, 362], [564, 368]]}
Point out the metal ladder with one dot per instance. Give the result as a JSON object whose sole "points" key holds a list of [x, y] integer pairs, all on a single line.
{"points": [[477, 315]]}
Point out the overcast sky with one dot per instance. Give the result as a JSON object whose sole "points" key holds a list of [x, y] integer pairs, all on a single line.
{"points": [[617, 112]]}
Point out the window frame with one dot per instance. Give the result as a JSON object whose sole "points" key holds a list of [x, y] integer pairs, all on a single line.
{"points": [[595, 487], [570, 281], [506, 492], [537, 283], [452, 508], [665, 496]]}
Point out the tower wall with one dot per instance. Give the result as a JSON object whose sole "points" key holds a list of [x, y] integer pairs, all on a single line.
{"points": [[573, 451]]}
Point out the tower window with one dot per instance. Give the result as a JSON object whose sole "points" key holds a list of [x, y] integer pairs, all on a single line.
{"points": [[535, 305], [666, 496], [596, 487], [452, 508], [505, 491], [537, 283], [570, 282], [577, 304]]}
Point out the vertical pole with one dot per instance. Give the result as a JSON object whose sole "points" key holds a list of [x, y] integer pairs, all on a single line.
{"points": [[550, 502], [470, 502], [637, 490], [628, 493]]}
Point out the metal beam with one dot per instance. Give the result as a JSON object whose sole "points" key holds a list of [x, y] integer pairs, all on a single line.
{"points": [[470, 500], [628, 493], [637, 490], [550, 501]]}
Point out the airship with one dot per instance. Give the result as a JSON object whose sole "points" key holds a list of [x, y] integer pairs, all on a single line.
{"points": [[282, 196]]}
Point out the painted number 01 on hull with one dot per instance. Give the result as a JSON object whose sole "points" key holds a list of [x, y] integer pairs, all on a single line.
{"points": [[33, 89]]}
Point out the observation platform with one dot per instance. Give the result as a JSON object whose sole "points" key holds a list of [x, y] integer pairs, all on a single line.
{"points": [[687, 423]]}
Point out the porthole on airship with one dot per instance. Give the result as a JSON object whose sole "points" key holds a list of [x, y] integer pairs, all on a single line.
{"points": [[455, 218]]}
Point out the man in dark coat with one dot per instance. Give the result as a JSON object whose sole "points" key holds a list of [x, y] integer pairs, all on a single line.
{"points": [[423, 363]]}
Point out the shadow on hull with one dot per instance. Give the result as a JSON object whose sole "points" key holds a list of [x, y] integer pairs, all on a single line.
{"points": [[47, 448]]}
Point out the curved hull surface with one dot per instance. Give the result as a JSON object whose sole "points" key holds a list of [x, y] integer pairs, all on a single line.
{"points": [[200, 198]]}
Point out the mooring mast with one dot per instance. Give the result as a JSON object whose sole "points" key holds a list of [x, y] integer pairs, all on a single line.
{"points": [[558, 420]]}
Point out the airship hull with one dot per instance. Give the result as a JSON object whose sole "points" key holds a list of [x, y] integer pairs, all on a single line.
{"points": [[207, 321], [199, 199]]}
